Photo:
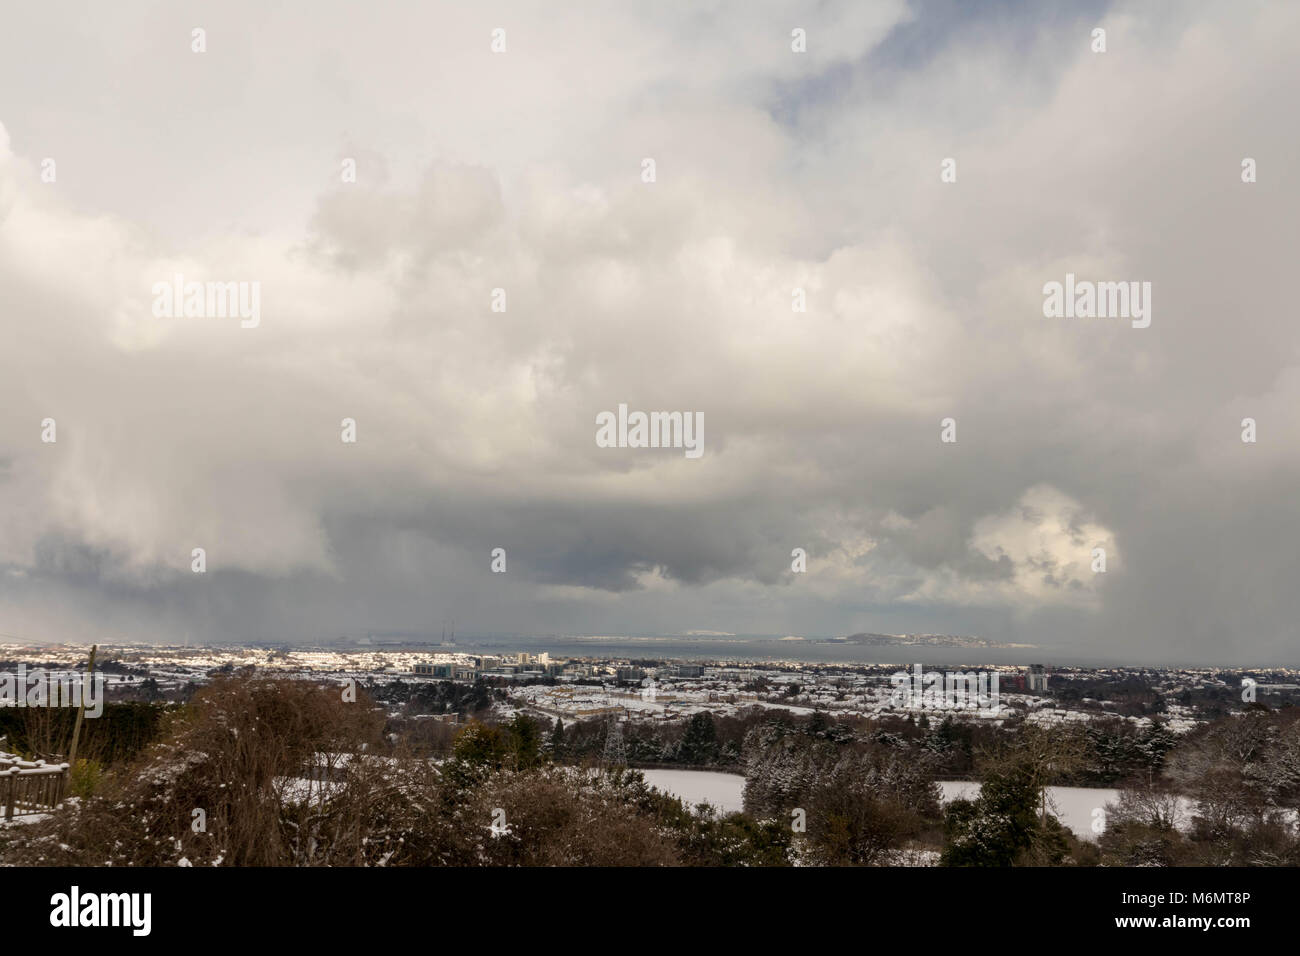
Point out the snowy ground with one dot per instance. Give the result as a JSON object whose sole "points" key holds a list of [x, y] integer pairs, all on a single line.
{"points": [[1073, 806], [722, 790], [23, 819]]}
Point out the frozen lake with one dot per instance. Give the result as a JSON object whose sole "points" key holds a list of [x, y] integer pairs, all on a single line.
{"points": [[722, 790], [1073, 806]]}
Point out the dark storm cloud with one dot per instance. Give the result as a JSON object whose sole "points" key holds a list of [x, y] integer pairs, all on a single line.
{"points": [[775, 170]]}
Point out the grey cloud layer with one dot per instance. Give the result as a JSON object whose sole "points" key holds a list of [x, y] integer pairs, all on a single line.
{"points": [[521, 171]]}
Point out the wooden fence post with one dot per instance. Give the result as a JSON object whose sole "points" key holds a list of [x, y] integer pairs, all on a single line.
{"points": [[81, 707], [11, 793]]}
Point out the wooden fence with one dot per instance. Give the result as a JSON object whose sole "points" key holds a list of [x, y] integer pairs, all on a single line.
{"points": [[27, 787]]}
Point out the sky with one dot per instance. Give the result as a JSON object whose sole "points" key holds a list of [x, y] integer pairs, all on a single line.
{"points": [[127, 157]]}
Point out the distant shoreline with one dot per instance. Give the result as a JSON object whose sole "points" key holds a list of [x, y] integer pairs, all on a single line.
{"points": [[740, 651]]}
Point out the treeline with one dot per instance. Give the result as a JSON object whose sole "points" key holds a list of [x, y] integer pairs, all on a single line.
{"points": [[857, 799], [1115, 750], [1132, 696], [1229, 795], [1110, 750], [702, 740], [1226, 794], [434, 697]]}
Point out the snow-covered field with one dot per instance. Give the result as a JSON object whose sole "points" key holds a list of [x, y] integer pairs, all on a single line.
{"points": [[722, 790], [1073, 806]]}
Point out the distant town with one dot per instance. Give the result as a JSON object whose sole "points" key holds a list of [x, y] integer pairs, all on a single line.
{"points": [[659, 690]]}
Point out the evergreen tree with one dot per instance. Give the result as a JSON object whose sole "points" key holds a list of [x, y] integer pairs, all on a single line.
{"points": [[1001, 826], [700, 741], [525, 742], [481, 745], [556, 744]]}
